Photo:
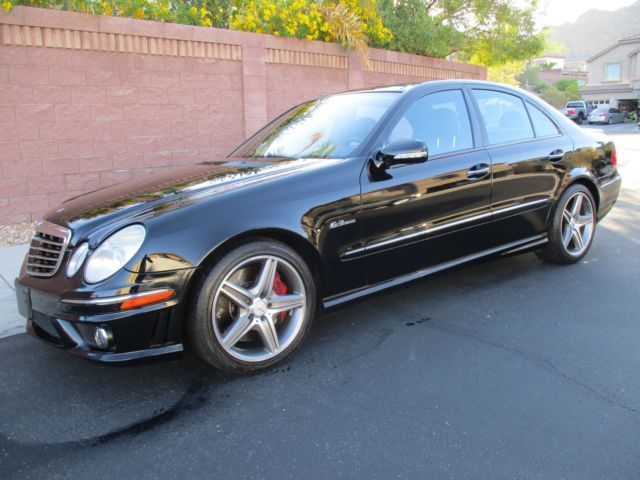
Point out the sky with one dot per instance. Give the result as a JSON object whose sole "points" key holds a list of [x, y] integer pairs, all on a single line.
{"points": [[556, 12]]}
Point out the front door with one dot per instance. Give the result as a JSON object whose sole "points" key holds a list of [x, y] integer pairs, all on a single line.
{"points": [[420, 215]]}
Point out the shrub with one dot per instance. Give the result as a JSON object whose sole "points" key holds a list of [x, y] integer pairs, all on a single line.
{"points": [[206, 13], [353, 23]]}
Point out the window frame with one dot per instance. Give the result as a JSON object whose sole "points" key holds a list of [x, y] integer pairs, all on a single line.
{"points": [[481, 122], [476, 134], [559, 131], [613, 80]]}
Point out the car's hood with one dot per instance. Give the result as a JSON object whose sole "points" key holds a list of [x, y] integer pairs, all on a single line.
{"points": [[150, 192]]}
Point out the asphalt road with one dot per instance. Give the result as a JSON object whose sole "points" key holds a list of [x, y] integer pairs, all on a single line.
{"points": [[506, 369]]}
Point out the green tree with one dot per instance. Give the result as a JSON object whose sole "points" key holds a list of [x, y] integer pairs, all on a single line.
{"points": [[568, 85], [547, 65], [557, 94], [486, 32], [416, 31]]}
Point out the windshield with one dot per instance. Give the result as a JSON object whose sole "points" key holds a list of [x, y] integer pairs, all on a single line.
{"points": [[331, 127], [575, 104]]}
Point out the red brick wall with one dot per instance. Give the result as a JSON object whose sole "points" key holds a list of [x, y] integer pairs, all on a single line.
{"points": [[88, 101]]}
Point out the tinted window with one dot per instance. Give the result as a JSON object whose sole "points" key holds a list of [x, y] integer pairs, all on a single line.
{"points": [[440, 120], [504, 116], [575, 104], [542, 124], [329, 127]]}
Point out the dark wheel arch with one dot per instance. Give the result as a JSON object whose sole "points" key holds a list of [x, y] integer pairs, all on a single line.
{"points": [[299, 244], [587, 182]]}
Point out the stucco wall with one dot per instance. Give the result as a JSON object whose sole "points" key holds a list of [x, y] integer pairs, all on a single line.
{"points": [[620, 54], [87, 101]]}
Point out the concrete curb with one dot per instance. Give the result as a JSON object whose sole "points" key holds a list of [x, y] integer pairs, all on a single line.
{"points": [[11, 323]]}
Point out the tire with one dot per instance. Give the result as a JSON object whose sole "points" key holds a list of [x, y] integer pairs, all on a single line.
{"points": [[265, 334], [579, 119], [564, 246], [610, 121]]}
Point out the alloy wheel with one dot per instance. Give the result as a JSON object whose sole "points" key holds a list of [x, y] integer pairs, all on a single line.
{"points": [[259, 308], [577, 224]]}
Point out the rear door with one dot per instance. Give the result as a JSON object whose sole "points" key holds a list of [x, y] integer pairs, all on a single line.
{"points": [[419, 215], [527, 149]]}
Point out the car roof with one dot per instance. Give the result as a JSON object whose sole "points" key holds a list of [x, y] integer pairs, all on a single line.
{"points": [[404, 87]]}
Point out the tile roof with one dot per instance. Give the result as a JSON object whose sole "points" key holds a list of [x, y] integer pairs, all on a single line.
{"points": [[619, 87]]}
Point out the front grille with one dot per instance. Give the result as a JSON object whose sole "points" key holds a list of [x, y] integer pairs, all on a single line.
{"points": [[47, 249]]}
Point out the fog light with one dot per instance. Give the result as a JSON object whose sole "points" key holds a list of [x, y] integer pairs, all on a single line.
{"points": [[103, 337]]}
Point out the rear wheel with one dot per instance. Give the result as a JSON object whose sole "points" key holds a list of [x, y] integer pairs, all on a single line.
{"points": [[610, 122], [253, 308], [572, 228], [579, 119]]}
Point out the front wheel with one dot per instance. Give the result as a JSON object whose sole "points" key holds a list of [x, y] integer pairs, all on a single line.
{"points": [[572, 227], [253, 308]]}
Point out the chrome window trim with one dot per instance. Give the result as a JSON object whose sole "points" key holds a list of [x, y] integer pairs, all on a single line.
{"points": [[100, 301], [434, 229]]}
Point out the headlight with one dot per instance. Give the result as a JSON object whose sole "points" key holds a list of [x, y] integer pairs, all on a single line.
{"points": [[76, 260], [114, 253]]}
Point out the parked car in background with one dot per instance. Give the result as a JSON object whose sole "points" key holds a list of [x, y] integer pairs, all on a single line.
{"points": [[577, 110], [338, 198], [606, 115]]}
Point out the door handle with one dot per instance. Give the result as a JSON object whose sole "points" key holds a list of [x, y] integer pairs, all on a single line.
{"points": [[479, 171], [556, 155]]}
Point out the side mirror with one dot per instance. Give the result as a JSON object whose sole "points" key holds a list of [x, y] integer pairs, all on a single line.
{"points": [[402, 152]]}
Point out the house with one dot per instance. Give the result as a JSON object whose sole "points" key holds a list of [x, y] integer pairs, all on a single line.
{"points": [[614, 75], [576, 69], [556, 67]]}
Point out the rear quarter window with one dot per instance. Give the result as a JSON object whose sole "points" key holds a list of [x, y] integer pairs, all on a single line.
{"points": [[542, 124]]}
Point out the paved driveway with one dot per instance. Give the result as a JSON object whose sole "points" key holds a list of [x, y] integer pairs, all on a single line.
{"points": [[507, 369]]}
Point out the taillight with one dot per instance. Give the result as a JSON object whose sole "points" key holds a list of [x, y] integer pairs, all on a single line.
{"points": [[571, 111], [614, 156], [602, 115]]}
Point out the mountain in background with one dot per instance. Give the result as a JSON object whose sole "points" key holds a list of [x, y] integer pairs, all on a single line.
{"points": [[595, 30]]}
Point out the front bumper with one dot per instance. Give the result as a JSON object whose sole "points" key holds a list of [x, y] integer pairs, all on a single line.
{"points": [[148, 331]]}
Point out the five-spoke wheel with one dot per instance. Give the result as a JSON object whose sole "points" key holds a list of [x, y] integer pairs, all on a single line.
{"points": [[577, 224], [572, 226], [259, 308], [253, 308]]}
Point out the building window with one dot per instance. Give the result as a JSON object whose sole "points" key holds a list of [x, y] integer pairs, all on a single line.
{"points": [[612, 72]]}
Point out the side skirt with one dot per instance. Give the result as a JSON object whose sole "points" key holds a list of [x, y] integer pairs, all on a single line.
{"points": [[508, 248]]}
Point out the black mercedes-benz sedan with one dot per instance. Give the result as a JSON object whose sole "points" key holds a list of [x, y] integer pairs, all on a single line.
{"points": [[338, 198]]}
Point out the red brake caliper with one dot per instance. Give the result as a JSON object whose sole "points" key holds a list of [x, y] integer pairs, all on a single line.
{"points": [[280, 288]]}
